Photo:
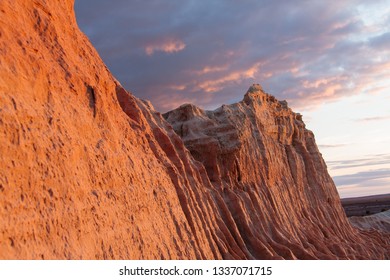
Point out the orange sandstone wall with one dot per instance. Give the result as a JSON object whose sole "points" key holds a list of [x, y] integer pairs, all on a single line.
{"points": [[82, 174], [88, 171]]}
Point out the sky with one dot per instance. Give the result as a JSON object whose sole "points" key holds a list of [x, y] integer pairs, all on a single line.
{"points": [[329, 59]]}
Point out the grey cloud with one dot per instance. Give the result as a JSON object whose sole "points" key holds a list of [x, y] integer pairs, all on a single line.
{"points": [[381, 42], [324, 146], [380, 159], [294, 43], [367, 178], [373, 119]]}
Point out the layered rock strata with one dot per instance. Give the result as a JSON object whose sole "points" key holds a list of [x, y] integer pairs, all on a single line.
{"points": [[264, 162], [88, 171]]}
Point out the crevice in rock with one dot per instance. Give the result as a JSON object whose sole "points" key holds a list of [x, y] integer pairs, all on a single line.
{"points": [[92, 99]]}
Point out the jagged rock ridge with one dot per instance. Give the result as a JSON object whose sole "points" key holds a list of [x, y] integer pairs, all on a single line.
{"points": [[88, 171], [265, 163]]}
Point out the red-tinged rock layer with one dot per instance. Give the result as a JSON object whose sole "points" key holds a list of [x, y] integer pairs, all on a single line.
{"points": [[82, 174], [88, 171], [266, 165]]}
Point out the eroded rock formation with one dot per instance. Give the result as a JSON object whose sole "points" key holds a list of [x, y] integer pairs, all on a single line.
{"points": [[88, 171], [272, 177], [379, 221]]}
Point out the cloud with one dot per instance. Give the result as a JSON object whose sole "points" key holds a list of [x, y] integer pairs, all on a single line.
{"points": [[324, 146], [365, 178], [373, 119], [167, 46], [214, 85], [371, 182], [307, 52], [381, 41], [358, 191], [373, 160], [210, 69]]}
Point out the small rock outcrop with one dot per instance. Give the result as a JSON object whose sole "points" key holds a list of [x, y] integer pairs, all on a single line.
{"points": [[88, 171], [379, 221]]}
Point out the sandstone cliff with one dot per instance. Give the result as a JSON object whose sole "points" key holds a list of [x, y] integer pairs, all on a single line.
{"points": [[272, 177], [88, 171]]}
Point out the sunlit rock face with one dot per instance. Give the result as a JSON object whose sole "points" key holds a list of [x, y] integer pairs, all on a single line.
{"points": [[266, 165], [88, 171]]}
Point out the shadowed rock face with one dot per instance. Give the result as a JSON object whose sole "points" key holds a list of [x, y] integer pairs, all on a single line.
{"points": [[88, 171]]}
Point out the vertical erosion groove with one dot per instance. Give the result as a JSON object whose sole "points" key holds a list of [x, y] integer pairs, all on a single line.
{"points": [[91, 99]]}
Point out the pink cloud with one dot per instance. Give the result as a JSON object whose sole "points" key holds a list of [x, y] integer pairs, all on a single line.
{"points": [[218, 84], [315, 53], [167, 46], [210, 69], [177, 87]]}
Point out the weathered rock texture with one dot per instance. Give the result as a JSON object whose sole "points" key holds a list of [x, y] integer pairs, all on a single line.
{"points": [[267, 167], [88, 171], [379, 221]]}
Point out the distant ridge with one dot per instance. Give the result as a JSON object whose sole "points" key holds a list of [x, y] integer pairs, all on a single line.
{"points": [[366, 205]]}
